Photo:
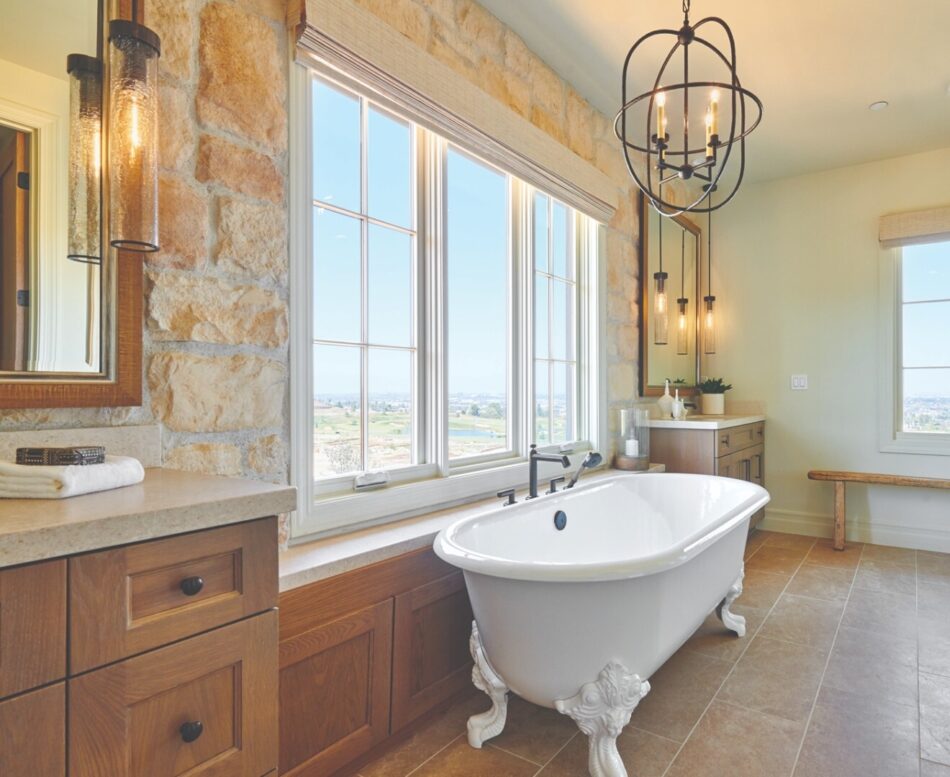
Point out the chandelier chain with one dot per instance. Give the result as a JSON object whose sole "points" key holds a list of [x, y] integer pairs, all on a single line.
{"points": [[686, 7]]}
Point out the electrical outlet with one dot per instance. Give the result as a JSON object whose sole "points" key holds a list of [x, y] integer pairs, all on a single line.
{"points": [[799, 382]]}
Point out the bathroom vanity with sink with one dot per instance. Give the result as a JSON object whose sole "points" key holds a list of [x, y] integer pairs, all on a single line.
{"points": [[138, 629], [731, 446]]}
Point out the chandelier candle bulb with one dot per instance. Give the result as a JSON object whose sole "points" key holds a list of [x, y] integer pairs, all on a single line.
{"points": [[714, 112], [661, 116], [709, 134]]}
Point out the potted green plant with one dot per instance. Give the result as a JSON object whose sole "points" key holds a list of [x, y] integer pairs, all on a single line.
{"points": [[714, 395]]}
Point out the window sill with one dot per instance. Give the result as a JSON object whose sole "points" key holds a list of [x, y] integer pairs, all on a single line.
{"points": [[936, 444], [323, 558]]}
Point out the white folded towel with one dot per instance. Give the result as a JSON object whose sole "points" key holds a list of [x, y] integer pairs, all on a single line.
{"points": [[24, 481]]}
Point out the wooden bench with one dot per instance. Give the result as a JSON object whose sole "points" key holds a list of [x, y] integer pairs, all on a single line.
{"points": [[868, 478]]}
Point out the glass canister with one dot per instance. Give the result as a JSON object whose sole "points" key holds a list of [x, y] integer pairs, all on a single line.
{"points": [[633, 443]]}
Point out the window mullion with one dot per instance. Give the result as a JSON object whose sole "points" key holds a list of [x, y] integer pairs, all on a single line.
{"points": [[364, 288]]}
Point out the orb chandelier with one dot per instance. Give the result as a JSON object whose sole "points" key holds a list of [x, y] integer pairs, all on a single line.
{"points": [[669, 154]]}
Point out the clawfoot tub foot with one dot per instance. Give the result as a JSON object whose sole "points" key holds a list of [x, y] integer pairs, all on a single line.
{"points": [[601, 709], [489, 724], [729, 619]]}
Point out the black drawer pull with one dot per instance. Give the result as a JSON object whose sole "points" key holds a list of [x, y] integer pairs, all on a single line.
{"points": [[192, 585], [191, 730]]}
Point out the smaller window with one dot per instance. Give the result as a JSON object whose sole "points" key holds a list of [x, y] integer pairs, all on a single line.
{"points": [[924, 344]]}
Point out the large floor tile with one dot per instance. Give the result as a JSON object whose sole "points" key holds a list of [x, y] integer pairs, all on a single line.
{"points": [[861, 660], [428, 740], [930, 769], [823, 554], [761, 589], [532, 732], [777, 540], [803, 620], [644, 754], [679, 692], [714, 639], [934, 646], [901, 556], [733, 742], [849, 737], [935, 718], [881, 611], [461, 760], [778, 561], [779, 678], [933, 567], [879, 575], [933, 601], [832, 583]]}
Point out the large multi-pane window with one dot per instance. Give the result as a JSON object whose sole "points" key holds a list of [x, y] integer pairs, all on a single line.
{"points": [[925, 347], [445, 314]]}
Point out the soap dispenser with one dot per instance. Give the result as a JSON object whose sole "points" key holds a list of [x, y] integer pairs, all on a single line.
{"points": [[678, 407], [665, 402]]}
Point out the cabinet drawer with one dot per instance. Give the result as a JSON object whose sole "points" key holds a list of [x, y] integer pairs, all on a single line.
{"points": [[33, 734], [32, 626], [134, 598], [205, 707], [735, 439]]}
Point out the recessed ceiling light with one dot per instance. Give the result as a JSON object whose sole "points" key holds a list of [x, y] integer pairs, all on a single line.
{"points": [[878, 105]]}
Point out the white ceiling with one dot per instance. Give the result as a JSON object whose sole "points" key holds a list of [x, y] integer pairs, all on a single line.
{"points": [[816, 65], [38, 34]]}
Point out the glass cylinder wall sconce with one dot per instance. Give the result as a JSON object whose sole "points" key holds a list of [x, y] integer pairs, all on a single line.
{"points": [[661, 309], [133, 136], [85, 159], [709, 325], [682, 327]]}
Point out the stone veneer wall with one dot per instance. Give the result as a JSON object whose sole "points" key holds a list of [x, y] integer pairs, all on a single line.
{"points": [[216, 339]]}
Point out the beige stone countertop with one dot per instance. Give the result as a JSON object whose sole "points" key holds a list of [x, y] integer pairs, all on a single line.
{"points": [[323, 558], [705, 422], [167, 502]]}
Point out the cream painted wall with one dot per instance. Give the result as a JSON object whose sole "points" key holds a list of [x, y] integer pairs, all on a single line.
{"points": [[796, 274]]}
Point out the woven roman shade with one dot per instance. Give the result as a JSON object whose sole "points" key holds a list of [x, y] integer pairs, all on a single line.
{"points": [[355, 47], [921, 226]]}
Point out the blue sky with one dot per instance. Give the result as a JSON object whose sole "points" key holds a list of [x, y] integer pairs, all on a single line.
{"points": [[477, 257], [926, 324]]}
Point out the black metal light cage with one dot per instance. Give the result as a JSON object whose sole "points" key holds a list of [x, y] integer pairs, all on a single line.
{"points": [[660, 148]]}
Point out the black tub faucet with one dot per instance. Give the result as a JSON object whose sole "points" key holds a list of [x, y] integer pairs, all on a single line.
{"points": [[533, 458]]}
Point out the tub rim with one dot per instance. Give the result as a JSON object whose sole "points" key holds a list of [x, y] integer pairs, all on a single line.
{"points": [[451, 551]]}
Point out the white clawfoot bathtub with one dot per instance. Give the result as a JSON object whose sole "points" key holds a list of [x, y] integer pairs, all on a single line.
{"points": [[579, 618]]}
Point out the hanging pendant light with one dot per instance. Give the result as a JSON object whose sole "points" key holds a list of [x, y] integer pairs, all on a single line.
{"points": [[85, 158], [709, 317], [133, 135], [686, 157], [661, 308], [682, 322]]}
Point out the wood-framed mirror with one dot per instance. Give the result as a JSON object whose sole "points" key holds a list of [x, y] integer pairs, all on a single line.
{"points": [[676, 244], [70, 321]]}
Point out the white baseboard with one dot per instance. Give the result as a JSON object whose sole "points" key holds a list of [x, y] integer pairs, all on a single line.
{"points": [[857, 530]]}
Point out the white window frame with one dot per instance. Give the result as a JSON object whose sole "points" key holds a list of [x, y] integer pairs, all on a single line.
{"points": [[892, 437], [439, 484]]}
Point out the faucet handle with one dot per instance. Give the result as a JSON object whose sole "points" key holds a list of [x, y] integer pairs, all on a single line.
{"points": [[509, 495], [554, 482]]}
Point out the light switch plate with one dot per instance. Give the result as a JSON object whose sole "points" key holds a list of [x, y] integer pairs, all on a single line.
{"points": [[799, 382]]}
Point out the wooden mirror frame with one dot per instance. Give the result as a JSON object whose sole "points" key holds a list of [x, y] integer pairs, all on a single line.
{"points": [[647, 390], [123, 315]]}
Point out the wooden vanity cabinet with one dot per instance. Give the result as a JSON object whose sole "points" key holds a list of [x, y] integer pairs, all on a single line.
{"points": [[170, 667], [364, 655], [736, 452]]}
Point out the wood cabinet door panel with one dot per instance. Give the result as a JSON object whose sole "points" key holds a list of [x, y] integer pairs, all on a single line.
{"points": [[735, 439], [334, 691], [33, 733], [129, 719], [431, 660], [130, 599], [32, 626]]}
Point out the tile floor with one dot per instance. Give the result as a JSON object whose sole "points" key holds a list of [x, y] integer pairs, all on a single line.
{"points": [[844, 672]]}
